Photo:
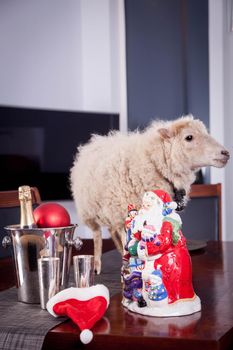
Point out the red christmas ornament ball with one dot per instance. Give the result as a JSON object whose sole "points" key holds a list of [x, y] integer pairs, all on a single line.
{"points": [[51, 215]]}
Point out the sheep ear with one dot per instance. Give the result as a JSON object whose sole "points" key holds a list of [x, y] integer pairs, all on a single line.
{"points": [[165, 133]]}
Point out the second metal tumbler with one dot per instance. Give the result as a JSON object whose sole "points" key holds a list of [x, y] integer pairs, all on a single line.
{"points": [[83, 270]]}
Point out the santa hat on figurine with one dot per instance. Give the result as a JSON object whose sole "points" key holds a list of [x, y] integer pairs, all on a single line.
{"points": [[165, 199], [132, 209], [85, 306]]}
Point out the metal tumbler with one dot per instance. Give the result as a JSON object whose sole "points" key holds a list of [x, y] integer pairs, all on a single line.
{"points": [[83, 270], [49, 279]]}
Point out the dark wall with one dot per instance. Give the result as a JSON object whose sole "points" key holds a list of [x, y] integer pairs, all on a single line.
{"points": [[167, 59], [167, 76], [200, 219]]}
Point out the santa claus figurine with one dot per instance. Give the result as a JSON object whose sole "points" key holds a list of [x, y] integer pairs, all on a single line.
{"points": [[162, 248]]}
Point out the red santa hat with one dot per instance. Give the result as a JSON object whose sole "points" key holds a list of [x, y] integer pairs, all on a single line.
{"points": [[132, 207], [165, 198], [85, 306]]}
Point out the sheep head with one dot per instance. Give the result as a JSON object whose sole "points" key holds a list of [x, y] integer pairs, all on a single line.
{"points": [[191, 146]]}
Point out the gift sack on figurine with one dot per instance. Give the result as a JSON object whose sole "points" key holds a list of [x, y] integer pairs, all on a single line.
{"points": [[157, 271]]}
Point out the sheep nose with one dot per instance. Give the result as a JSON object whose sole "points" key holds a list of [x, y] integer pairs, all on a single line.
{"points": [[226, 153]]}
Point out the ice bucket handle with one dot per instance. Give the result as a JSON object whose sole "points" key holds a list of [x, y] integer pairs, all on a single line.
{"points": [[6, 242], [77, 243]]}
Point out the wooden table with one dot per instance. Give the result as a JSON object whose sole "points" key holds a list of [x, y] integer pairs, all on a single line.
{"points": [[212, 328]]}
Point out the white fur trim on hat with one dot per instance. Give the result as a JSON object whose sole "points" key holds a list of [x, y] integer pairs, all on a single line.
{"points": [[79, 294]]}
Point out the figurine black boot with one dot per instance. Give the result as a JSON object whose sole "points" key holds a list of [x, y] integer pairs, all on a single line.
{"points": [[142, 302]]}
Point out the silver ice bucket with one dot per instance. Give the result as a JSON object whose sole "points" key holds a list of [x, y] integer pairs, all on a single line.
{"points": [[31, 244]]}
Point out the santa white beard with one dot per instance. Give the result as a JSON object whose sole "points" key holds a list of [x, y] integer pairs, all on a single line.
{"points": [[152, 216]]}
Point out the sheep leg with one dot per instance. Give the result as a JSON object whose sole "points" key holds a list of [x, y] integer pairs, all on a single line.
{"points": [[123, 239], [117, 239], [97, 237]]}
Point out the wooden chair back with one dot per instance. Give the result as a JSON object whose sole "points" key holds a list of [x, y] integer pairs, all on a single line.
{"points": [[204, 210], [9, 199]]}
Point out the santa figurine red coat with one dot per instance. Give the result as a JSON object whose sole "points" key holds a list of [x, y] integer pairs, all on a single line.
{"points": [[162, 248], [174, 263]]}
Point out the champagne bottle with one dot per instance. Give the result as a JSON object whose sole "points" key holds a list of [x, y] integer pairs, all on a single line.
{"points": [[27, 219]]}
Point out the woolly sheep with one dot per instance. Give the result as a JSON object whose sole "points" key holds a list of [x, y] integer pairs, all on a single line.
{"points": [[109, 172]]}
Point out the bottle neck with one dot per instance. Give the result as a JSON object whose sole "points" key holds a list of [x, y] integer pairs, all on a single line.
{"points": [[27, 218]]}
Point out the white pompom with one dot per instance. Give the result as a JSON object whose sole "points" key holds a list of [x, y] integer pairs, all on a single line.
{"points": [[172, 205], [86, 336]]}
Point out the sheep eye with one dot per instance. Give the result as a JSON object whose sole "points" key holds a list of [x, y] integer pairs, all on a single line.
{"points": [[189, 138]]}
